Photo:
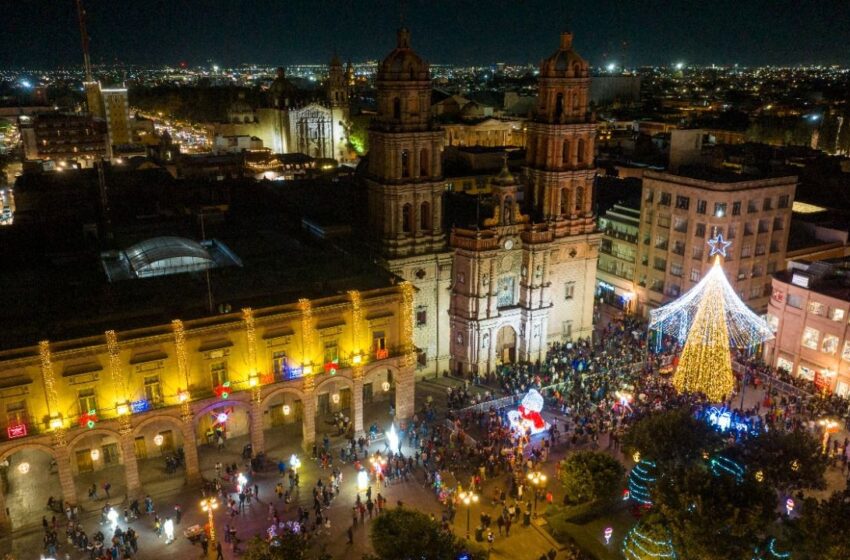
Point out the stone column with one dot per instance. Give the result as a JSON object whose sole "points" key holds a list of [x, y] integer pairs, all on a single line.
{"points": [[131, 465], [5, 522], [404, 391], [357, 405], [66, 476], [308, 414], [258, 440], [190, 452]]}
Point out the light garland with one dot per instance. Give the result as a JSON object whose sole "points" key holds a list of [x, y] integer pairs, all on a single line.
{"points": [[721, 466], [710, 318], [356, 319], [639, 546], [49, 379], [115, 370], [251, 335], [182, 367], [306, 330], [407, 321], [640, 481], [770, 552]]}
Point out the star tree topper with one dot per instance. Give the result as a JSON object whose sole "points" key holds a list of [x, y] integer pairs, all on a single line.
{"points": [[718, 245]]}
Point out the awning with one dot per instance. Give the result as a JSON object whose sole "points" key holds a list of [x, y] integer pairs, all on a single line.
{"points": [[330, 324], [379, 315], [215, 345], [18, 381], [81, 369], [151, 356], [278, 333]]}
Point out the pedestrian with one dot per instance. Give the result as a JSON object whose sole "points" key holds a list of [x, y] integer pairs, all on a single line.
{"points": [[350, 534], [205, 544], [218, 554], [257, 492], [106, 487]]}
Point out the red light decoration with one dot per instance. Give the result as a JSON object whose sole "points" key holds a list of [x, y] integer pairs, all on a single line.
{"points": [[382, 353], [16, 431], [89, 419], [223, 391], [331, 367]]}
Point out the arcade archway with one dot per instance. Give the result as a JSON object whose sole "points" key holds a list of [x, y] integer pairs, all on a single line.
{"points": [[29, 479], [506, 344]]}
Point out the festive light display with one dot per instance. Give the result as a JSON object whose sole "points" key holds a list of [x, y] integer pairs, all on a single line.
{"points": [[640, 482], [116, 372], [306, 332], [89, 419], [223, 391], [16, 431], [639, 545], [24, 467], [407, 323], [769, 552], [710, 318], [393, 440], [527, 415], [721, 466], [362, 480], [356, 323]]}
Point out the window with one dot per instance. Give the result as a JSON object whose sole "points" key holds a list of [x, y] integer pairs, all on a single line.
{"points": [[421, 316], [580, 152], [86, 400], [736, 208], [16, 413], [758, 270], [279, 363], [218, 372], [699, 231], [406, 218], [759, 249], [837, 314], [771, 267], [778, 224], [764, 226], [567, 327], [680, 224], [845, 354], [153, 389], [421, 358], [767, 205], [719, 209], [746, 249], [752, 206], [782, 363], [559, 105], [755, 292], [331, 351], [505, 295], [732, 232], [743, 272], [565, 157], [683, 202], [665, 199], [424, 165], [810, 338], [701, 204], [579, 200], [405, 163], [461, 278], [795, 301], [773, 323], [396, 108], [379, 345], [829, 344], [676, 269], [425, 216], [648, 197], [783, 201], [695, 273], [748, 228], [817, 308], [696, 252], [806, 373], [569, 290]]}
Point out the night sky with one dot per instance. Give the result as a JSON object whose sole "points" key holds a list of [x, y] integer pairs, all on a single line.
{"points": [[44, 33]]}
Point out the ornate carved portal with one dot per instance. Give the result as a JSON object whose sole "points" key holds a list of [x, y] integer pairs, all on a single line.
{"points": [[314, 132]]}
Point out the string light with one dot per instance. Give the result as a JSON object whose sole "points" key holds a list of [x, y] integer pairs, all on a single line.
{"points": [[639, 546], [251, 336], [407, 321], [182, 367], [641, 480], [709, 318], [357, 320], [115, 370], [721, 465], [49, 383], [306, 332]]}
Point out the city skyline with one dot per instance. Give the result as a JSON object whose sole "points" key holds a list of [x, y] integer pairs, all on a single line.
{"points": [[469, 32]]}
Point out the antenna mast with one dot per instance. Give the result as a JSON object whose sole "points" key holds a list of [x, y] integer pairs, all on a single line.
{"points": [[81, 15]]}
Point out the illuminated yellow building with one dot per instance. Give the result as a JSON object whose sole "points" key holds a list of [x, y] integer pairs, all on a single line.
{"points": [[112, 399], [117, 112]]}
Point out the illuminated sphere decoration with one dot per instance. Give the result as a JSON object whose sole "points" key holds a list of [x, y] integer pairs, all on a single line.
{"points": [[24, 468], [158, 439], [95, 454], [221, 418], [286, 410]]}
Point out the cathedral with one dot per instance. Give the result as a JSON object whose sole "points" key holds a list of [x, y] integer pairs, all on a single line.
{"points": [[290, 122], [518, 280]]}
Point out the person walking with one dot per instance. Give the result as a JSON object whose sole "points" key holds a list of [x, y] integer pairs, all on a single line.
{"points": [[218, 553]]}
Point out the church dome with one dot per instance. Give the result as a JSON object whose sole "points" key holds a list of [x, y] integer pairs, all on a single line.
{"points": [[565, 62], [505, 178], [403, 63]]}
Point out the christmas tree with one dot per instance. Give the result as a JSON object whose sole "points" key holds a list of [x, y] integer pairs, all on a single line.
{"points": [[710, 319], [641, 480]]}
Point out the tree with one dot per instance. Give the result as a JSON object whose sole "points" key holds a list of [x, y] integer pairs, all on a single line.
{"points": [[286, 546], [589, 476], [786, 459], [820, 533], [648, 540], [671, 438], [713, 514], [404, 534]]}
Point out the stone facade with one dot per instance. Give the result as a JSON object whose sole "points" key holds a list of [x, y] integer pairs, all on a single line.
{"points": [[527, 279], [162, 385]]}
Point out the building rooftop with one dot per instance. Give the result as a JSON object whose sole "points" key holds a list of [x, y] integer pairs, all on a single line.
{"points": [[830, 278]]}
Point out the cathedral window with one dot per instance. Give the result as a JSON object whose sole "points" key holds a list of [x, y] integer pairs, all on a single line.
{"points": [[424, 163], [396, 108], [581, 150], [405, 163], [506, 295], [406, 218], [565, 201], [577, 70], [579, 199], [559, 105], [507, 214], [425, 216], [565, 153]]}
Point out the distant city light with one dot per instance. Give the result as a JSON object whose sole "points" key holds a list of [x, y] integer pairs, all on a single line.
{"points": [[26, 84], [680, 65], [215, 67], [611, 67]]}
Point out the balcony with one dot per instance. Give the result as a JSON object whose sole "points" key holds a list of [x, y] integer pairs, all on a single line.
{"points": [[621, 235], [614, 252]]}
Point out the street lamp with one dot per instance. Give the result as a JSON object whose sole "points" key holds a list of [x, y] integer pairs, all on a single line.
{"points": [[209, 505], [468, 498], [538, 480]]}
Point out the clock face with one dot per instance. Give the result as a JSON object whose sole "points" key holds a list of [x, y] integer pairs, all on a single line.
{"points": [[509, 244]]}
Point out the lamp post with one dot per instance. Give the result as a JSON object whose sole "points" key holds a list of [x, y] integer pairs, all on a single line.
{"points": [[468, 498], [538, 480], [209, 505]]}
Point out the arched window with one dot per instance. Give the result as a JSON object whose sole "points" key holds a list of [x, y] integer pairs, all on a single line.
{"points": [[559, 105], [424, 163], [425, 216], [406, 218], [580, 152], [507, 214], [577, 70], [396, 108], [579, 200], [565, 201], [565, 153], [405, 163]]}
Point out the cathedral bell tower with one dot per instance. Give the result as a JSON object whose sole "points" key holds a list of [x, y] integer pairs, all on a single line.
{"points": [[337, 88], [561, 144], [405, 176]]}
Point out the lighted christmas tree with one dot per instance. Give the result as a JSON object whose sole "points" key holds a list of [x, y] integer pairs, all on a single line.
{"points": [[710, 319], [647, 541], [641, 480]]}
